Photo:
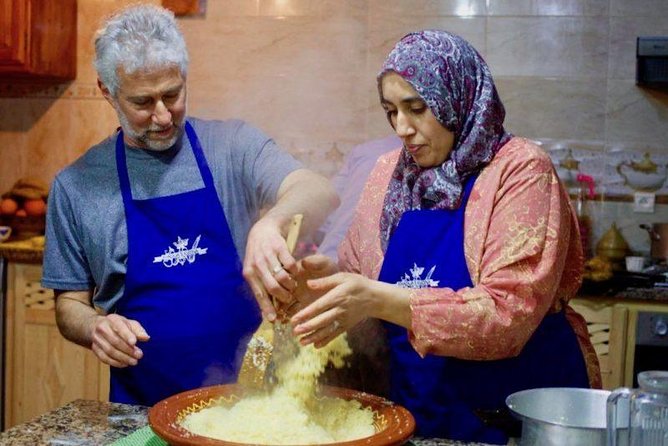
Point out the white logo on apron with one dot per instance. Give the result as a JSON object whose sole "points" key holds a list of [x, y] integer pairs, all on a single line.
{"points": [[181, 254], [415, 280]]}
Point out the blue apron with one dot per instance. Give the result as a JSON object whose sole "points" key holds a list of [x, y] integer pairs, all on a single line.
{"points": [[184, 286], [443, 393]]}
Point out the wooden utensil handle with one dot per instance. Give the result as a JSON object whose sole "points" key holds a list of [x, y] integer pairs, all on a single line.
{"points": [[293, 231]]}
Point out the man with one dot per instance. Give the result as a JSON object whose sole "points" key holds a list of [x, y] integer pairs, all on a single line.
{"points": [[146, 230]]}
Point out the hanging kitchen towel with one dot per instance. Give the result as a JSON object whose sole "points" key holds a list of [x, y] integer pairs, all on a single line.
{"points": [[141, 437]]}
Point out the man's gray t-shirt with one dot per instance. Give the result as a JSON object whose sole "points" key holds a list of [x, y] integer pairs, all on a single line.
{"points": [[86, 236]]}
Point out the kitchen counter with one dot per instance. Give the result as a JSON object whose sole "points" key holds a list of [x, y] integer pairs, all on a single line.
{"points": [[94, 423], [29, 250]]}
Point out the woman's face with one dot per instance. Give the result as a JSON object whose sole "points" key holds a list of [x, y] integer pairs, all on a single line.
{"points": [[428, 142]]}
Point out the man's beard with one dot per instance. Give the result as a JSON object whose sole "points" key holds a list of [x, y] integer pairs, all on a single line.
{"points": [[142, 137]]}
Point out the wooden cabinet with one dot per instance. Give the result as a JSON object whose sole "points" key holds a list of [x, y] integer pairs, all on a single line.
{"points": [[612, 324], [43, 370], [38, 39], [607, 325]]}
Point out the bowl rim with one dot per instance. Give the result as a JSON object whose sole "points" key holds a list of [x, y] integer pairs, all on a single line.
{"points": [[516, 403], [162, 415]]}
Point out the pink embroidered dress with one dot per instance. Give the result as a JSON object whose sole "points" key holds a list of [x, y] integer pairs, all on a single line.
{"points": [[522, 250]]}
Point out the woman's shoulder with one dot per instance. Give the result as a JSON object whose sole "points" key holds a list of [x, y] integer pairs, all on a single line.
{"points": [[390, 158], [521, 153], [385, 165]]}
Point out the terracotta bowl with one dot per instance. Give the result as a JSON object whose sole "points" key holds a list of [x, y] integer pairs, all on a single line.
{"points": [[394, 424]]}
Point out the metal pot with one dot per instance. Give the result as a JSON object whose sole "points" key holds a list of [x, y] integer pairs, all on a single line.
{"points": [[658, 235], [560, 416]]}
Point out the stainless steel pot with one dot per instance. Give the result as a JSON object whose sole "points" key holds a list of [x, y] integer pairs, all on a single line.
{"points": [[561, 416], [658, 235]]}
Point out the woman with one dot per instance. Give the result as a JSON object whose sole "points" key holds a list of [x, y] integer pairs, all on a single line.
{"points": [[465, 244]]}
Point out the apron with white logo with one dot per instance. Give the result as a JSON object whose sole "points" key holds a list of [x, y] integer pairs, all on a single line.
{"points": [[184, 286], [443, 393]]}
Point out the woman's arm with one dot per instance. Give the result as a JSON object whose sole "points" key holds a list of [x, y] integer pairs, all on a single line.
{"points": [[520, 234]]}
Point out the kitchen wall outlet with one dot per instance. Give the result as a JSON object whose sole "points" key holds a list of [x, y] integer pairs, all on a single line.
{"points": [[643, 202]]}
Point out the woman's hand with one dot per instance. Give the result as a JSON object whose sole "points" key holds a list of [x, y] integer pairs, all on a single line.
{"points": [[312, 267], [346, 300]]}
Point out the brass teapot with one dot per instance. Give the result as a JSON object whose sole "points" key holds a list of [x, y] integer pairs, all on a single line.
{"points": [[567, 169], [612, 245]]}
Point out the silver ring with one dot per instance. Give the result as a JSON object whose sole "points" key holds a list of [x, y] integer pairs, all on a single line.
{"points": [[336, 324], [277, 269]]}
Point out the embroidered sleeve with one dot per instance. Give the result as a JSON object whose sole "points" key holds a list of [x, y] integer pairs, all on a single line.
{"points": [[519, 233]]}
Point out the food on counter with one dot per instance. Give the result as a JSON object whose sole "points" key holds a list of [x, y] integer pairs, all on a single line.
{"points": [[29, 188], [293, 412], [35, 207], [8, 206], [26, 198], [38, 241], [598, 269]]}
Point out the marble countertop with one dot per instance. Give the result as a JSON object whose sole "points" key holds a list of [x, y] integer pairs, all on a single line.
{"points": [[94, 423], [80, 422]]}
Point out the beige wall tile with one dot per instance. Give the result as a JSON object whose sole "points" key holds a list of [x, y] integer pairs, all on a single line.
{"points": [[642, 8], [292, 8], [224, 9], [428, 8], [554, 108], [13, 147], [548, 46], [291, 47], [547, 7], [636, 114]]}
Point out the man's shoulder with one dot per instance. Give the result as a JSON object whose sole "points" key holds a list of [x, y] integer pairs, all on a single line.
{"points": [[208, 126], [94, 165], [97, 155]]}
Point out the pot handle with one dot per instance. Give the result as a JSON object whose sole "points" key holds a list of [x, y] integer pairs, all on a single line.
{"points": [[653, 235], [612, 416], [622, 174]]}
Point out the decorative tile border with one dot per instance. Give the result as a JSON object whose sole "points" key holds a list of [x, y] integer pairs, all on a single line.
{"points": [[619, 170]]}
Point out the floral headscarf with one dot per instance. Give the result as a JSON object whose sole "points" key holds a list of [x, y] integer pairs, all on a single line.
{"points": [[456, 84]]}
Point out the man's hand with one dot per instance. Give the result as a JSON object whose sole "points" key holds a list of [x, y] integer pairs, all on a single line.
{"points": [[114, 340], [268, 265]]}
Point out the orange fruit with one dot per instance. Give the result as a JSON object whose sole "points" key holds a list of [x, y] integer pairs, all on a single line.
{"points": [[8, 206], [21, 213], [34, 207]]}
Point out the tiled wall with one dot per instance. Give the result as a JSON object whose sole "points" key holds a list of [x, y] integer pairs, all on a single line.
{"points": [[304, 71]]}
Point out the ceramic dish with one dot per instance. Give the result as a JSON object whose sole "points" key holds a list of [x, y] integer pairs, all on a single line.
{"points": [[394, 424], [5, 232]]}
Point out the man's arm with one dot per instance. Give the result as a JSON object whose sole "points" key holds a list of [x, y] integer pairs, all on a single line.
{"points": [[301, 192], [112, 338]]}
